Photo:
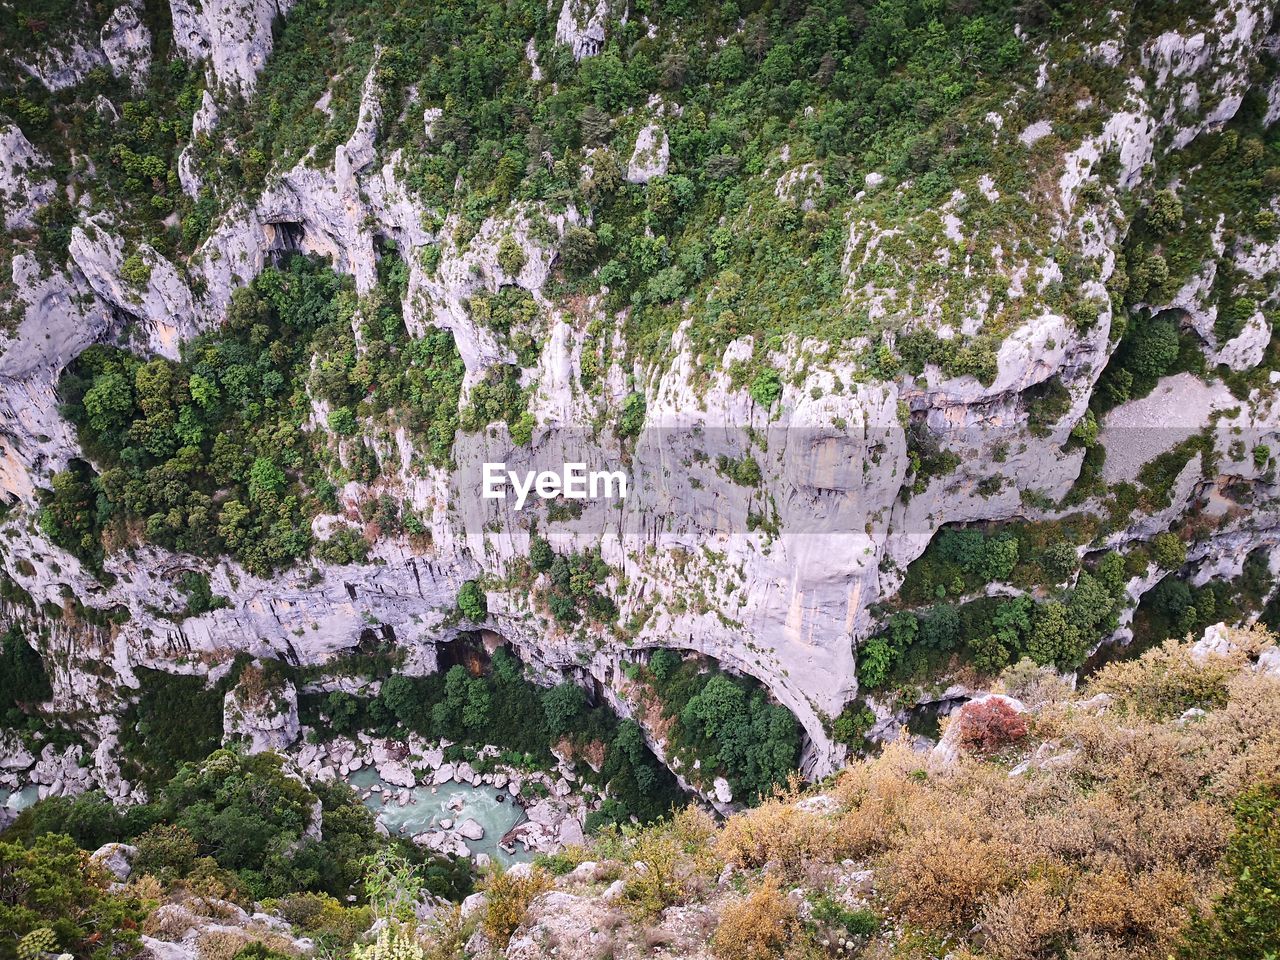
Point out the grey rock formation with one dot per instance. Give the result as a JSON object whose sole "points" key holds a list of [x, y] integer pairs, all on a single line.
{"points": [[235, 35], [126, 43], [649, 159], [23, 186], [787, 608], [581, 26], [117, 858], [262, 718]]}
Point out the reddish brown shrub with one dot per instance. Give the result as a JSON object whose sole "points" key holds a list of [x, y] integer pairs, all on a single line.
{"points": [[990, 725]]}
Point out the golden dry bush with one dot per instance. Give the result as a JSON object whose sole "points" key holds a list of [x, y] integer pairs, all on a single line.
{"points": [[225, 944], [763, 926], [1033, 684], [939, 878], [778, 832], [145, 888], [1166, 681], [1148, 909], [879, 797], [1026, 921], [507, 900], [1232, 745]]}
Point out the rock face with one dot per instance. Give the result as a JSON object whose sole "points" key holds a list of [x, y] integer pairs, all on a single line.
{"points": [[233, 34], [581, 26], [117, 858], [261, 717], [126, 43], [849, 507], [23, 189], [649, 158]]}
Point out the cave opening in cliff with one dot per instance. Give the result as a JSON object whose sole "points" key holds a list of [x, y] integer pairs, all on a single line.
{"points": [[284, 238], [473, 650]]}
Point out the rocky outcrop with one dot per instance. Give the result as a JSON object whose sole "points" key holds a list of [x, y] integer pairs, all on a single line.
{"points": [[126, 43], [649, 159], [581, 26], [259, 715], [65, 64], [233, 34], [116, 859], [24, 188]]}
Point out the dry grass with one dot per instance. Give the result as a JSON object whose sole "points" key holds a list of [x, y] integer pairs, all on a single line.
{"points": [[1103, 852], [225, 944]]}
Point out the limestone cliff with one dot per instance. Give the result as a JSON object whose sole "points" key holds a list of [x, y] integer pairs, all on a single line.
{"points": [[849, 505]]}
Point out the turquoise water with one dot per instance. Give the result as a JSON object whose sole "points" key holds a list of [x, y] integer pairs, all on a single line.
{"points": [[19, 800], [451, 801]]}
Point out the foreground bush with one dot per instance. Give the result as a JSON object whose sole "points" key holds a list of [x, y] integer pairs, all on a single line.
{"points": [[52, 886], [764, 926]]}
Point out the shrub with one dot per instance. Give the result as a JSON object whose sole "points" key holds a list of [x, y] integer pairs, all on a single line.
{"points": [[990, 725], [1032, 683], [507, 900], [766, 388], [631, 419], [779, 833], [511, 258], [1166, 682], [938, 877], [53, 886], [764, 926], [472, 602], [135, 270], [1168, 550], [166, 851]]}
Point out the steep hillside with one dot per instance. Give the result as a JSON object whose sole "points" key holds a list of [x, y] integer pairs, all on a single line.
{"points": [[1135, 818], [933, 336]]}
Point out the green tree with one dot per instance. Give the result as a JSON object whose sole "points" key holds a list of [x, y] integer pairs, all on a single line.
{"points": [[510, 256], [266, 480], [631, 420], [1164, 212], [1054, 639], [875, 659], [565, 705], [109, 403], [1168, 550], [472, 602], [342, 421], [766, 388], [53, 885], [578, 248], [541, 556], [23, 680]]}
